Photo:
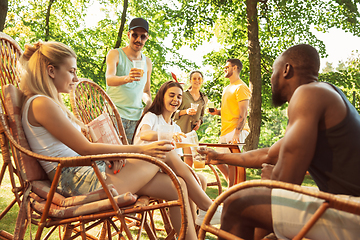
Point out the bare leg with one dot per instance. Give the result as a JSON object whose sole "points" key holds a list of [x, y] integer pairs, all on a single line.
{"points": [[203, 184], [144, 178], [203, 181], [261, 233], [132, 177], [195, 192], [224, 170], [232, 170], [246, 210], [161, 187], [188, 160]]}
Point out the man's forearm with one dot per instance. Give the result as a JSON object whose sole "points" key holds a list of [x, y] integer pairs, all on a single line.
{"points": [[117, 80], [240, 124], [250, 159]]}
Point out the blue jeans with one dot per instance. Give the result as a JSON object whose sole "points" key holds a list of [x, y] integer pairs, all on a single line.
{"points": [[129, 127]]}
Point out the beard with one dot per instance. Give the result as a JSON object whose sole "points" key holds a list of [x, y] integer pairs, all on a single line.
{"points": [[276, 97], [228, 74]]}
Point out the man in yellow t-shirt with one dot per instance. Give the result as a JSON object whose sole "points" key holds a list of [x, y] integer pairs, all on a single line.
{"points": [[233, 112]]}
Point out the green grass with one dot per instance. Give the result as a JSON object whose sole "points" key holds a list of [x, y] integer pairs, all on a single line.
{"points": [[6, 196]]}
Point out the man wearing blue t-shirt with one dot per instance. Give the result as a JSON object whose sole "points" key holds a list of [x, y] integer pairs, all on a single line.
{"points": [[124, 82]]}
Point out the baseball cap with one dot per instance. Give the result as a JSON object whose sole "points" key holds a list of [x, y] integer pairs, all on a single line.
{"points": [[139, 22]]}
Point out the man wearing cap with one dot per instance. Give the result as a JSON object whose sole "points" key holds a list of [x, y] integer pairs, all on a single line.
{"points": [[124, 82]]}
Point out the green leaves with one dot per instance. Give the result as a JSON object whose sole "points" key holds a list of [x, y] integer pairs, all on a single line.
{"points": [[175, 23]]}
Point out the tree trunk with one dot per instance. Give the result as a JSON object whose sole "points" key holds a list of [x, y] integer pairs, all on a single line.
{"points": [[47, 21], [122, 24], [3, 13], [121, 30], [252, 140]]}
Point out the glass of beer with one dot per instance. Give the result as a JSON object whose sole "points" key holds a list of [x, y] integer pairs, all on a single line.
{"points": [[194, 106], [139, 64], [211, 106], [198, 159], [165, 132]]}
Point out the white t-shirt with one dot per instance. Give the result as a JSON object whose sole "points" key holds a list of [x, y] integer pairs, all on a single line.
{"points": [[154, 121]]}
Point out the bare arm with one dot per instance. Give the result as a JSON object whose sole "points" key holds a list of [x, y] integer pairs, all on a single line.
{"points": [[112, 60], [46, 113], [243, 107], [299, 142], [147, 93], [147, 134], [250, 159]]}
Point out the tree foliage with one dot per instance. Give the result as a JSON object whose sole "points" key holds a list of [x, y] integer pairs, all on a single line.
{"points": [[3, 13], [174, 23]]}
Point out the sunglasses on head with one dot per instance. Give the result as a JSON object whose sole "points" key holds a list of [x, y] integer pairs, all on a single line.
{"points": [[142, 36]]}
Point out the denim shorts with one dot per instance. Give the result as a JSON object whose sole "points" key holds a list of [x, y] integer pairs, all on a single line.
{"points": [[79, 180], [129, 127]]}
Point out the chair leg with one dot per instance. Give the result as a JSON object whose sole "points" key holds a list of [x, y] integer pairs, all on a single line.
{"points": [[103, 231], [2, 173], [5, 235], [218, 181], [67, 231], [82, 230], [7, 209]]}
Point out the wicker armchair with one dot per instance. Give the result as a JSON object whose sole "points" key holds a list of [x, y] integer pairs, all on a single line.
{"points": [[88, 100], [10, 53], [331, 201], [44, 207]]}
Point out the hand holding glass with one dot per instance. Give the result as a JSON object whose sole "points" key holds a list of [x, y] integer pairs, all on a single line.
{"points": [[198, 159], [211, 107], [190, 140], [194, 106], [165, 132], [139, 64]]}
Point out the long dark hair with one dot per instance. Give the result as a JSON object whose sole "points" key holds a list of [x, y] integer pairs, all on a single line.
{"points": [[157, 106]]}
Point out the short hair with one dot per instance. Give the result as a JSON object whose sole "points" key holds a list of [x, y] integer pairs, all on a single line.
{"points": [[236, 62], [303, 56]]}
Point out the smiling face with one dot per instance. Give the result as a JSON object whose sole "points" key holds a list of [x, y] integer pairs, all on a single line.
{"points": [[137, 38], [64, 75], [172, 99], [196, 80]]}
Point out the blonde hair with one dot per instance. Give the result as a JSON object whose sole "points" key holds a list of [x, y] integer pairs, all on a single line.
{"points": [[34, 75]]}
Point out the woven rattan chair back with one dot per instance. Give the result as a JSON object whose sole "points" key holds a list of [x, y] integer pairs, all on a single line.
{"points": [[10, 52], [88, 101]]}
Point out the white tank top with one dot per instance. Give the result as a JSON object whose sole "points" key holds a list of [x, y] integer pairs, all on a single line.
{"points": [[43, 142]]}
